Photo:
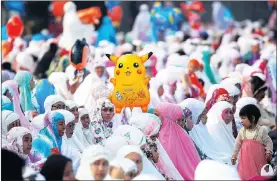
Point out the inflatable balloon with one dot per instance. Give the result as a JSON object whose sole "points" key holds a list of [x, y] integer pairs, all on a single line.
{"points": [[90, 15], [116, 15], [79, 55], [15, 27], [130, 82], [57, 8]]}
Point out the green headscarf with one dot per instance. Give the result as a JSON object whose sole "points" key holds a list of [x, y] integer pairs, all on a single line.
{"points": [[23, 79]]}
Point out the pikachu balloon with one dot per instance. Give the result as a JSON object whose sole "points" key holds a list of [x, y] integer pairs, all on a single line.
{"points": [[130, 82]]}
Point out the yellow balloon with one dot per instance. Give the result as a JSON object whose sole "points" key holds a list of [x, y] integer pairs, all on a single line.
{"points": [[130, 82]]}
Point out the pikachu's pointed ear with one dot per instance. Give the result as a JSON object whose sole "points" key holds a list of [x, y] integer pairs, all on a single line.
{"points": [[112, 58], [145, 57]]}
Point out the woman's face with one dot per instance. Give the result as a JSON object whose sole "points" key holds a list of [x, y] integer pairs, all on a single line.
{"points": [[135, 157], [27, 143], [99, 169], [107, 113], [99, 71], [32, 84], [203, 116], [227, 115], [61, 128], [74, 111], [16, 123], [85, 121], [57, 106], [173, 88], [69, 129], [68, 173], [9, 95], [245, 122], [188, 123], [160, 91]]}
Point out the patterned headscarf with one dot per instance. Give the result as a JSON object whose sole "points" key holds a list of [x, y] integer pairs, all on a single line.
{"points": [[187, 113], [150, 145], [102, 128], [219, 94]]}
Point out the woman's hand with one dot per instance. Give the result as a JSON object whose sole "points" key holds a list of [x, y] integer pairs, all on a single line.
{"points": [[234, 160]]}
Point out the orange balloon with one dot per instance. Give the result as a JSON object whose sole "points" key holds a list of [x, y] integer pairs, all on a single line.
{"points": [[57, 8], [6, 48], [15, 27], [90, 15]]}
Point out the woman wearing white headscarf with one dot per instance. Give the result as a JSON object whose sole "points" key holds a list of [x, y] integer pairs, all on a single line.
{"points": [[20, 142], [9, 120], [73, 108], [219, 125], [122, 169], [61, 84], [25, 61], [199, 133], [54, 102], [213, 170], [150, 125], [135, 153], [94, 163]]}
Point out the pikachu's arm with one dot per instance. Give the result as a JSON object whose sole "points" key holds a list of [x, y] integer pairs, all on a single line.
{"points": [[146, 80], [112, 80]]}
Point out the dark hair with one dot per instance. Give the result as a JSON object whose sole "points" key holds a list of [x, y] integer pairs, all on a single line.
{"points": [[249, 111], [54, 166], [256, 83]]}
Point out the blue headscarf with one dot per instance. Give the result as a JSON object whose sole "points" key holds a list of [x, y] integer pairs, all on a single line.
{"points": [[23, 79], [49, 137], [106, 31], [42, 90], [6, 103]]}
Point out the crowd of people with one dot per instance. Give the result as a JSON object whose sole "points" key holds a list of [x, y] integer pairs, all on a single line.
{"points": [[212, 110]]}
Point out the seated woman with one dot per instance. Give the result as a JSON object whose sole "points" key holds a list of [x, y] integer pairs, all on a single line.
{"points": [[94, 163], [9, 120], [49, 139], [175, 140], [122, 169], [20, 141]]}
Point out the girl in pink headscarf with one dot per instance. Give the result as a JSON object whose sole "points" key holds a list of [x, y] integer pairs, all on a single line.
{"points": [[175, 140], [10, 87]]}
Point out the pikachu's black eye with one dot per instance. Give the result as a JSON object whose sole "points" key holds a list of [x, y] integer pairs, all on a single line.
{"points": [[136, 65], [120, 65]]}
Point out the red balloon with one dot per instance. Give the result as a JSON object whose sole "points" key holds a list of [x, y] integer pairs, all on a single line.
{"points": [[15, 27], [57, 8], [116, 14]]}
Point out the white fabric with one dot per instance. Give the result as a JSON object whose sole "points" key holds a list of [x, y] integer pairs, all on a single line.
{"points": [[70, 104], [213, 170], [221, 132], [82, 96], [7, 118], [90, 155], [142, 22], [25, 60], [149, 123], [51, 100], [195, 106], [155, 100], [59, 80], [37, 124], [231, 88], [132, 134], [114, 143], [125, 164], [82, 112], [73, 28], [239, 105]]}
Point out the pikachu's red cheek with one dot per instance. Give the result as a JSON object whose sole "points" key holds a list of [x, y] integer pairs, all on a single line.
{"points": [[139, 71], [117, 72]]}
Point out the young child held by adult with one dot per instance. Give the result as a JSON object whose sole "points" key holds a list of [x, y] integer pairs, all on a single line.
{"points": [[253, 143]]}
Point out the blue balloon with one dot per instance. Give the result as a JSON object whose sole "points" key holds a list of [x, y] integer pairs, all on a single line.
{"points": [[4, 35], [15, 6]]}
